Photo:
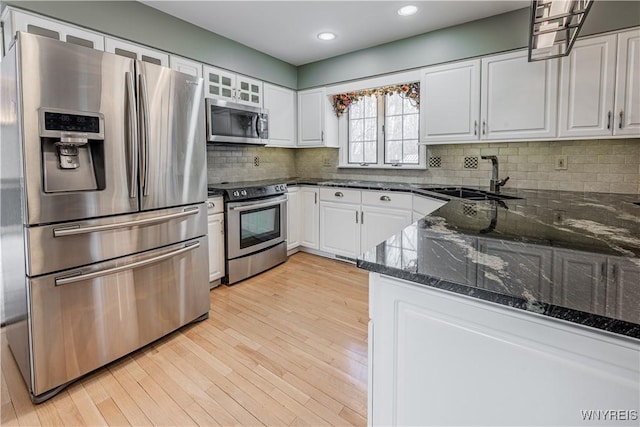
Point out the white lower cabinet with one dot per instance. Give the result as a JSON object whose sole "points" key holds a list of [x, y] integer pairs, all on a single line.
{"points": [[437, 358], [353, 221], [340, 228], [215, 231], [310, 217], [293, 218]]}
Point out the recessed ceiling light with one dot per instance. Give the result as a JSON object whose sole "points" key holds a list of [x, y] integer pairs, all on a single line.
{"points": [[407, 10], [326, 36]]}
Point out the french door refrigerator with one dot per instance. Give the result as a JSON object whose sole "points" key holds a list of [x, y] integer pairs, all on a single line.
{"points": [[103, 215]]}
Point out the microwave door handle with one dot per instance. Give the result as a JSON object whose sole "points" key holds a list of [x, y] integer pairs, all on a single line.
{"points": [[132, 142], [258, 127], [144, 110]]}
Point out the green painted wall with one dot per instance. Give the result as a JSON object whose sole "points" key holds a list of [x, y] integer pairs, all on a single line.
{"points": [[145, 25], [485, 36]]}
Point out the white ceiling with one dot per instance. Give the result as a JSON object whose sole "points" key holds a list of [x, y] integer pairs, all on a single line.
{"points": [[287, 30]]}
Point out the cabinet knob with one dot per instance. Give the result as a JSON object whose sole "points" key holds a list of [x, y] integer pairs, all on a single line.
{"points": [[210, 205], [385, 198], [338, 194]]}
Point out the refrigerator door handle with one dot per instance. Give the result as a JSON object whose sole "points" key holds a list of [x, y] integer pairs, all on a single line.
{"points": [[80, 277], [75, 230], [144, 113], [133, 138]]}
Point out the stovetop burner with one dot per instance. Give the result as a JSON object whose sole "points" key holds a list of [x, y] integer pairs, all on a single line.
{"points": [[248, 190]]}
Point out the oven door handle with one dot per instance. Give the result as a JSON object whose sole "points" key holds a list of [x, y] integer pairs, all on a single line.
{"points": [[258, 205]]}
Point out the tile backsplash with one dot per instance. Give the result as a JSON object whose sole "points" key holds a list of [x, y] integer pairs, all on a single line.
{"points": [[248, 163], [607, 166]]}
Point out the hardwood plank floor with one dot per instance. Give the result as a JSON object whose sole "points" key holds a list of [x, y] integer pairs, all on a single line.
{"points": [[288, 347]]}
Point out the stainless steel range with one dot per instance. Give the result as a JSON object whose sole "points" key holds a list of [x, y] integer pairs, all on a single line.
{"points": [[255, 228]]}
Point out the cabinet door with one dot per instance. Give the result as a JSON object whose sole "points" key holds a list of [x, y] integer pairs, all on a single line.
{"points": [[28, 23], [378, 224], [311, 116], [281, 105], [293, 218], [186, 66], [310, 218], [518, 97], [135, 51], [340, 229], [450, 107], [579, 281], [587, 87], [526, 270], [219, 83], [248, 91], [623, 290], [215, 230], [627, 102]]}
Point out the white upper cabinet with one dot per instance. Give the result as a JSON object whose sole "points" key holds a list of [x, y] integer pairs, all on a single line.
{"points": [[450, 104], [136, 51], [233, 87], [281, 105], [185, 65], [14, 20], [627, 99], [587, 84], [317, 126], [519, 98], [311, 115]]}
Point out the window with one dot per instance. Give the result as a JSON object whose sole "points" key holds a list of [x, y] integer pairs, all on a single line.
{"points": [[380, 131]]}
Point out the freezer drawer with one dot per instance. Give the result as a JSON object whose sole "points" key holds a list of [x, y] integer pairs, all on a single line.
{"points": [[62, 246], [81, 322]]}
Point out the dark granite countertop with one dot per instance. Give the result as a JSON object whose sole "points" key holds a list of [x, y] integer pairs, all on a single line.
{"points": [[567, 255], [571, 256]]}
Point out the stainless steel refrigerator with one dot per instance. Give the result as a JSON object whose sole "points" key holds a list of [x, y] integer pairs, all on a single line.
{"points": [[103, 217]]}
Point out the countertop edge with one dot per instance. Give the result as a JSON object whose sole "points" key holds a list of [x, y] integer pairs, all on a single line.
{"points": [[601, 323]]}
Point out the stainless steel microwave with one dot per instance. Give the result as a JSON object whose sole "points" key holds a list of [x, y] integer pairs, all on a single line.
{"points": [[234, 123]]}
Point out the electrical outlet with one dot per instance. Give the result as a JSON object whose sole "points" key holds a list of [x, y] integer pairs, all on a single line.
{"points": [[256, 161], [326, 162], [561, 162]]}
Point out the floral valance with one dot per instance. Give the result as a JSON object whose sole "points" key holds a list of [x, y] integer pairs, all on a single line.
{"points": [[342, 101]]}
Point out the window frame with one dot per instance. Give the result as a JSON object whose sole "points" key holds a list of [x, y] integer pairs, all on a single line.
{"points": [[343, 138]]}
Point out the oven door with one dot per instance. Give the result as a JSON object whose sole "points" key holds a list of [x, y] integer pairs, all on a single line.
{"points": [[255, 225]]}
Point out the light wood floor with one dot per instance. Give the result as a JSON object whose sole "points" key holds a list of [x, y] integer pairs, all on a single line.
{"points": [[288, 347]]}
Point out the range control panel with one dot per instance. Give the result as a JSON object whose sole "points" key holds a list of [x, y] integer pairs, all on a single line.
{"points": [[258, 192]]}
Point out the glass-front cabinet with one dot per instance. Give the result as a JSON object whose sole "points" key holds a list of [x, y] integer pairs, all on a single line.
{"points": [[223, 84]]}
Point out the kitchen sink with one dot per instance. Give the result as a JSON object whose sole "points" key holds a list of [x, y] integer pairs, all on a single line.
{"points": [[469, 193]]}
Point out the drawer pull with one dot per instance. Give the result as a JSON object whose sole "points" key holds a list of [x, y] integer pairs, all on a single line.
{"points": [[338, 194], [81, 277], [385, 198]]}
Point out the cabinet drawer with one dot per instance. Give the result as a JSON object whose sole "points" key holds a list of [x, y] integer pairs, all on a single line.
{"points": [[392, 199], [336, 194], [215, 205]]}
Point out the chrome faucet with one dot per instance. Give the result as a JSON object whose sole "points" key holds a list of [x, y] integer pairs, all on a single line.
{"points": [[495, 183]]}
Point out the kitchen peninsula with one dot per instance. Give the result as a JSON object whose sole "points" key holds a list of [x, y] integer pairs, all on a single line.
{"points": [[506, 308]]}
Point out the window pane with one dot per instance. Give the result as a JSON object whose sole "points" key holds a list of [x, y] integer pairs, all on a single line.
{"points": [[393, 105], [410, 127], [356, 110], [370, 130], [393, 129], [410, 151], [355, 152], [393, 152], [356, 130], [409, 108], [370, 106], [371, 151]]}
